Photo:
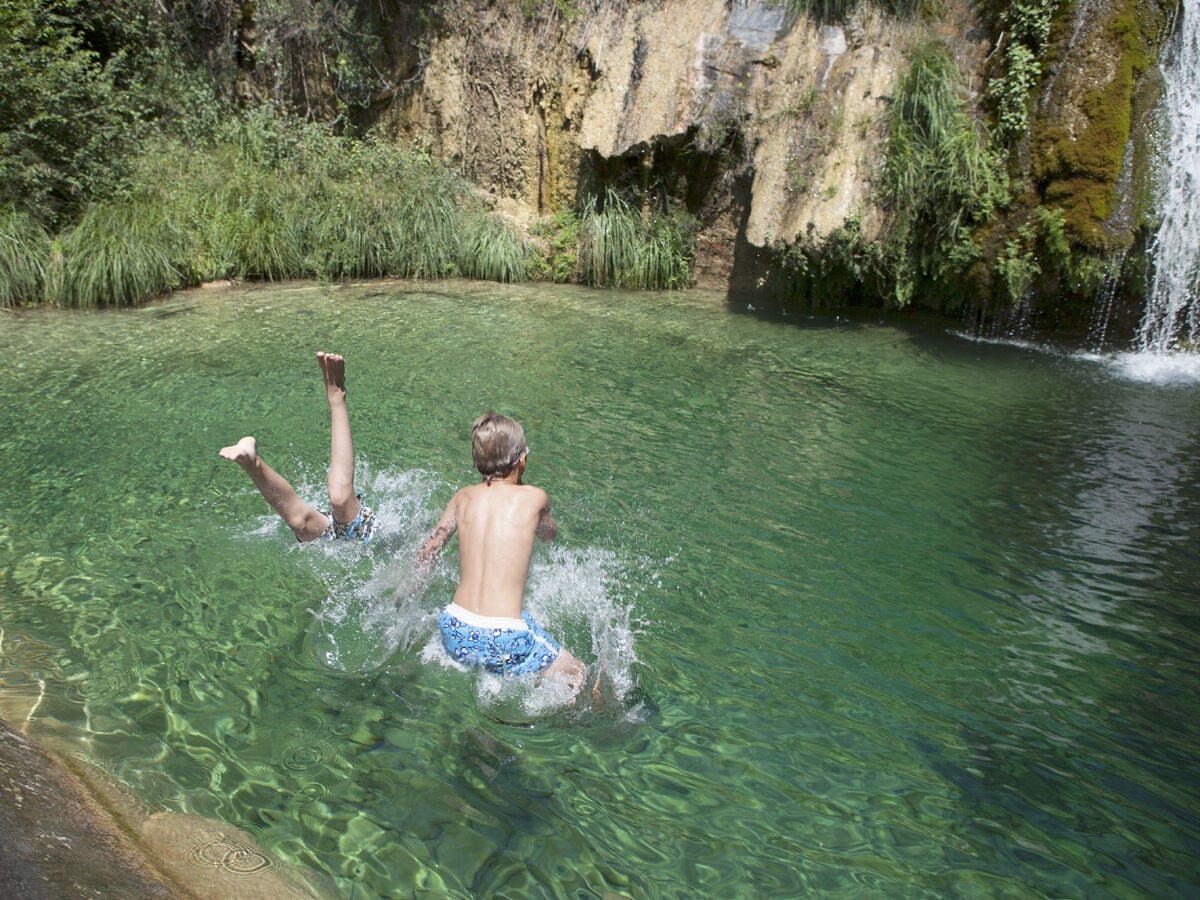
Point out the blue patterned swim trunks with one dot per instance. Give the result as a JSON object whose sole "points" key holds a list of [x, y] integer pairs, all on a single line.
{"points": [[362, 529], [501, 645]]}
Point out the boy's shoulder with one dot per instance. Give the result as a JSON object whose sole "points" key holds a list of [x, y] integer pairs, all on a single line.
{"points": [[526, 493]]}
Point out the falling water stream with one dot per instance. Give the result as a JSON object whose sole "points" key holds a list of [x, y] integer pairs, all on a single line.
{"points": [[1172, 318]]}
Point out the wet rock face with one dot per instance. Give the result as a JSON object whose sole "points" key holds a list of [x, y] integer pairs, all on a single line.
{"points": [[762, 128], [53, 844]]}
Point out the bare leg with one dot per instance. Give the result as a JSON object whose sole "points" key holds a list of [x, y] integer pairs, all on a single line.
{"points": [[342, 499], [306, 522]]}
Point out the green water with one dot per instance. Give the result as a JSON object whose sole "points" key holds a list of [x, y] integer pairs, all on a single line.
{"points": [[883, 611]]}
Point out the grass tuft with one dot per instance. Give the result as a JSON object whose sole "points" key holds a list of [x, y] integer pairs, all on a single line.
{"points": [[940, 177], [24, 256], [119, 253], [267, 200], [619, 247], [493, 251]]}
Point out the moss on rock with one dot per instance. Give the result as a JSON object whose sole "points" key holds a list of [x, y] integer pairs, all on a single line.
{"points": [[1079, 141]]}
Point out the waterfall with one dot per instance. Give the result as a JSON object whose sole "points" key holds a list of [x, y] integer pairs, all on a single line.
{"points": [[1172, 318]]}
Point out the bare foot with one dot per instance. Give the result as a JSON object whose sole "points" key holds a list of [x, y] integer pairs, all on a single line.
{"points": [[244, 452], [333, 370]]}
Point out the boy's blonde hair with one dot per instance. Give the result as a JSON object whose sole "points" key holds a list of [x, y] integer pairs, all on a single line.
{"points": [[497, 444]]}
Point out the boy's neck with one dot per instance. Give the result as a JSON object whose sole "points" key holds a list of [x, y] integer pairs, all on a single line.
{"points": [[513, 477]]}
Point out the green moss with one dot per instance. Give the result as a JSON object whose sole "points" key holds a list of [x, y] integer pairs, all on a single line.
{"points": [[1079, 164]]}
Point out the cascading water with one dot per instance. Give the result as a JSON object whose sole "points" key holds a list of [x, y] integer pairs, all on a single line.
{"points": [[1172, 318]]}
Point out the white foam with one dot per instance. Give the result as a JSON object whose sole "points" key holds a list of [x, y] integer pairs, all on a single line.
{"points": [[1017, 343], [1148, 366], [1158, 368]]}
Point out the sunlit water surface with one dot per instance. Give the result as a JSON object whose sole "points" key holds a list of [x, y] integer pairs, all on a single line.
{"points": [[881, 611]]}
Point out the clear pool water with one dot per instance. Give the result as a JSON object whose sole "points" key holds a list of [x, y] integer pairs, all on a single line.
{"points": [[882, 611]]}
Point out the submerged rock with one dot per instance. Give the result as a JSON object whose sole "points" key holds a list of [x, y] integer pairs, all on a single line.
{"points": [[55, 841], [65, 832]]}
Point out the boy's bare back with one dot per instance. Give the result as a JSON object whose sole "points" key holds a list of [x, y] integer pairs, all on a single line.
{"points": [[496, 525]]}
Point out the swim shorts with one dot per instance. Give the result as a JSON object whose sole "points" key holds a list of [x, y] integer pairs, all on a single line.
{"points": [[362, 529], [501, 645]]}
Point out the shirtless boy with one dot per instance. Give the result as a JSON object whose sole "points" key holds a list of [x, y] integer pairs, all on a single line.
{"points": [[345, 506], [497, 521]]}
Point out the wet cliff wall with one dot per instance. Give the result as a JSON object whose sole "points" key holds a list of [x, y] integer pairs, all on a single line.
{"points": [[764, 128], [776, 129]]}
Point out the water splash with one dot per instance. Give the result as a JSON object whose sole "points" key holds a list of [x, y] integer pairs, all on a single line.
{"points": [[1155, 367], [367, 616], [373, 617], [1172, 319], [584, 597]]}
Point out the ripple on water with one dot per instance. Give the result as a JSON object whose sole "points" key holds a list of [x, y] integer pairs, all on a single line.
{"points": [[913, 617], [230, 858]]}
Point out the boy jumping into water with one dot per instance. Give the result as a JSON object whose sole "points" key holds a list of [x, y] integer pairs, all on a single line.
{"points": [[496, 521], [346, 506]]}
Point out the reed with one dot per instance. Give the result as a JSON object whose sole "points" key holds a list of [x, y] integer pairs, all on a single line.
{"points": [[424, 239], [619, 247], [493, 252], [24, 256], [260, 228], [666, 252], [120, 252], [267, 201], [608, 241]]}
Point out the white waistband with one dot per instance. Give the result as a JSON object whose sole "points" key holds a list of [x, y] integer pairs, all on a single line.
{"points": [[479, 621]]}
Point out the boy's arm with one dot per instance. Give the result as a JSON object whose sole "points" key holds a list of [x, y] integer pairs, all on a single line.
{"points": [[547, 528], [436, 542]]}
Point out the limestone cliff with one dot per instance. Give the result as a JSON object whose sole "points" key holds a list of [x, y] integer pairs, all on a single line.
{"points": [[766, 129], [772, 127]]}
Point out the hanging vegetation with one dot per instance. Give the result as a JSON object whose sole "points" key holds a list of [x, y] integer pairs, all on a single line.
{"points": [[940, 178]]}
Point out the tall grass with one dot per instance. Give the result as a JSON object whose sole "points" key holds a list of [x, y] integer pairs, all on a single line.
{"points": [[24, 256], [667, 251], [493, 252], [120, 252], [608, 241], [619, 247], [269, 199]]}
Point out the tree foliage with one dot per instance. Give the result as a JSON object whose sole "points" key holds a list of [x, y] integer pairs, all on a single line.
{"points": [[62, 113], [80, 85]]}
